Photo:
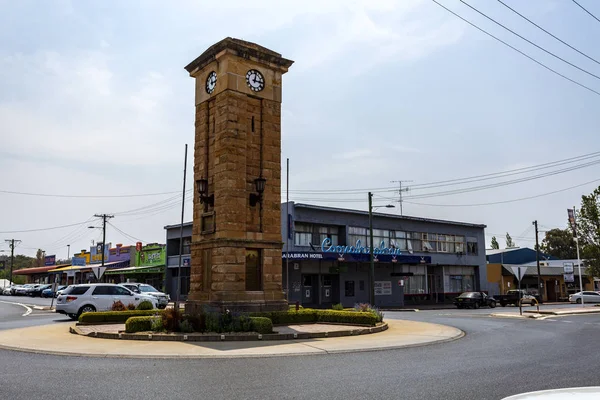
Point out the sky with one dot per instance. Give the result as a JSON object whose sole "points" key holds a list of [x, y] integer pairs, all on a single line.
{"points": [[94, 101]]}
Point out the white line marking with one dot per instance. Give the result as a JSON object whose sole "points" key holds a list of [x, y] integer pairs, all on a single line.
{"points": [[29, 310]]}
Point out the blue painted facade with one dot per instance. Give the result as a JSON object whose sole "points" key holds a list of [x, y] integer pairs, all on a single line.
{"points": [[520, 255]]}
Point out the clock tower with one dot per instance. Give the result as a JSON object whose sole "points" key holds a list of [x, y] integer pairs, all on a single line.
{"points": [[236, 237]]}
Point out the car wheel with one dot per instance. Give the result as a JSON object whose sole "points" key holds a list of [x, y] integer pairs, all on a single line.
{"points": [[86, 308], [493, 304], [578, 301], [476, 306], [162, 307]]}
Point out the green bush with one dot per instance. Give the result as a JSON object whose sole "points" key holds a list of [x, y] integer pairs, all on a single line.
{"points": [[261, 325], [185, 326], [115, 316], [366, 307], [338, 307], [145, 305], [309, 316], [140, 324]]}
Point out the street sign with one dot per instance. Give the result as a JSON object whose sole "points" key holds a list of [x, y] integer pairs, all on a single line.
{"points": [[519, 272], [568, 267], [98, 271]]}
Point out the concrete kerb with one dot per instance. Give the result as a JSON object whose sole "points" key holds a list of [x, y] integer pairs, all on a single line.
{"points": [[54, 340], [195, 337]]}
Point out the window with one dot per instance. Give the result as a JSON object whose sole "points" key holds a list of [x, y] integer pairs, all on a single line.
{"points": [[415, 244], [326, 280], [187, 243], [349, 288], [76, 290], [459, 242], [398, 240], [330, 232], [472, 246], [355, 234], [302, 235], [460, 283], [102, 291], [380, 235], [307, 280], [429, 241], [415, 284], [120, 291], [253, 270]]}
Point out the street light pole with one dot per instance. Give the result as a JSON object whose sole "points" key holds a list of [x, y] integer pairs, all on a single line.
{"points": [[372, 259], [371, 248], [537, 261]]}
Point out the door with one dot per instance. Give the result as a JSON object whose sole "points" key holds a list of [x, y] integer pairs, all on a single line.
{"points": [[591, 297], [123, 295], [102, 297], [432, 288], [309, 296], [552, 290], [326, 289]]}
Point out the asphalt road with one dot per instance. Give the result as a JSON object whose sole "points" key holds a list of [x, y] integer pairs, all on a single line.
{"points": [[497, 358]]}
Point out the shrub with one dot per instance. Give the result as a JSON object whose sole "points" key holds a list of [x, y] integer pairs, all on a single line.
{"points": [[186, 326], [145, 305], [118, 306], [157, 325], [171, 318], [310, 316], [338, 307], [115, 316], [365, 307], [261, 325], [140, 324], [131, 306]]}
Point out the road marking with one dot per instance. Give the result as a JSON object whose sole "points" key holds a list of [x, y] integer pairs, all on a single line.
{"points": [[29, 310]]}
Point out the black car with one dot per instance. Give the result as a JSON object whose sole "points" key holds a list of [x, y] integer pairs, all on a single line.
{"points": [[37, 291], [474, 300]]}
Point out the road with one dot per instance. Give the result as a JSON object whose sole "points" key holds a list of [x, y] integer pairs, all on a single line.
{"points": [[496, 358]]}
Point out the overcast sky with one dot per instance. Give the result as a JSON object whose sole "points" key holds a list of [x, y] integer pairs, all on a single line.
{"points": [[94, 101]]}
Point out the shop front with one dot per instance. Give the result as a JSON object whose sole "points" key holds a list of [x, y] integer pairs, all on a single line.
{"points": [[149, 267]]}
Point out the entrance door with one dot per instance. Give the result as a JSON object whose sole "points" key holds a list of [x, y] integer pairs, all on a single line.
{"points": [[309, 294], [551, 290], [326, 289], [432, 288]]}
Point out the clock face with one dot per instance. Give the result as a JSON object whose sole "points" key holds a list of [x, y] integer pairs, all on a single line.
{"points": [[255, 80], [211, 82]]}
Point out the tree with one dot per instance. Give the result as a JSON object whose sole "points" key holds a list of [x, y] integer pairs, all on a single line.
{"points": [[509, 241], [39, 259], [495, 244], [560, 244], [588, 231]]}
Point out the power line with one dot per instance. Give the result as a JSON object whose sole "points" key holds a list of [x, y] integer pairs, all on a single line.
{"points": [[127, 235], [46, 229], [518, 51], [85, 196], [584, 9], [555, 37], [452, 182], [506, 201], [529, 41]]}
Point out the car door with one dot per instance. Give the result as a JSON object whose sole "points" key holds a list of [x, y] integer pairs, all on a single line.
{"points": [[591, 297], [124, 295], [102, 297]]}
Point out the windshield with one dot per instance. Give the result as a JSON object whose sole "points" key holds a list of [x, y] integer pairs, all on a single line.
{"points": [[467, 294], [148, 289]]}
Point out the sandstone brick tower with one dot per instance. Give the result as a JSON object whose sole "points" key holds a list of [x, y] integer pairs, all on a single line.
{"points": [[236, 243]]}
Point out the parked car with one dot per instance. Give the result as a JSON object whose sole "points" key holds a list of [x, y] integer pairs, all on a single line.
{"points": [[588, 297], [163, 298], [513, 297], [49, 293], [474, 300], [7, 291], [78, 299], [21, 290], [37, 290]]}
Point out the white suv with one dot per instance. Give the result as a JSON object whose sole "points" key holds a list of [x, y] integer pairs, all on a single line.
{"points": [[77, 299]]}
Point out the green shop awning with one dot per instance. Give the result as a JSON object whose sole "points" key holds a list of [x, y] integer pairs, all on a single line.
{"points": [[155, 269]]}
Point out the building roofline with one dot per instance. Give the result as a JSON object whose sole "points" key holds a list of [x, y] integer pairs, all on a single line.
{"points": [[178, 225], [398, 217]]}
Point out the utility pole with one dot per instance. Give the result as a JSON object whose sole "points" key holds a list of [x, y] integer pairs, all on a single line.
{"points": [[400, 190], [372, 259], [104, 218], [68, 251], [537, 261], [11, 244], [178, 291]]}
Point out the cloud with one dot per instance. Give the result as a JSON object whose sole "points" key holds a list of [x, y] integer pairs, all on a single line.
{"points": [[352, 155]]}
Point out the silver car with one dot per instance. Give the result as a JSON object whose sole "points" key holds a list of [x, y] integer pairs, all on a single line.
{"points": [[143, 288], [588, 297]]}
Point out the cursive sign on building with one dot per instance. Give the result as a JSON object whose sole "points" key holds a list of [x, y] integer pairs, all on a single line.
{"points": [[327, 247]]}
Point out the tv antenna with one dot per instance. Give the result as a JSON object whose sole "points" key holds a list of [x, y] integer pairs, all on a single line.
{"points": [[400, 191]]}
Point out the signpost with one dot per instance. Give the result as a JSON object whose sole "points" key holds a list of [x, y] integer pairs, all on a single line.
{"points": [[519, 271]]}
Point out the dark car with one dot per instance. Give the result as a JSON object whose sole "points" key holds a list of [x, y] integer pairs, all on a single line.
{"points": [[474, 300], [37, 290]]}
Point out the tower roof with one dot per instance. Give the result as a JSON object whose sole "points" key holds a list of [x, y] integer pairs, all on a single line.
{"points": [[241, 48]]}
